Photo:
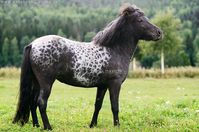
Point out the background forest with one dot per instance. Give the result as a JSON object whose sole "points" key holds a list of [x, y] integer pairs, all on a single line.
{"points": [[21, 21]]}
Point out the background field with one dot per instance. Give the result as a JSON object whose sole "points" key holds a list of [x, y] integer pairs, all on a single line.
{"points": [[145, 105]]}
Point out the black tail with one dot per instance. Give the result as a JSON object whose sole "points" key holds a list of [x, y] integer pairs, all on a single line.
{"points": [[23, 108]]}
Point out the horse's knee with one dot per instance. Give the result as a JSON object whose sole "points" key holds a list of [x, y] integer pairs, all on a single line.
{"points": [[43, 97], [41, 102]]}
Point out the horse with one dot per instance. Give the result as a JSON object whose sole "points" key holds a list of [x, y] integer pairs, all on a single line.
{"points": [[101, 63]]}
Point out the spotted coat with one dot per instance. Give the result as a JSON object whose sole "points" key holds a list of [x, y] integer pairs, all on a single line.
{"points": [[88, 59]]}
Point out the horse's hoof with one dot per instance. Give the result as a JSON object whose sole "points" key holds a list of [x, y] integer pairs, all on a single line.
{"points": [[93, 125], [49, 128], [36, 125], [117, 124]]}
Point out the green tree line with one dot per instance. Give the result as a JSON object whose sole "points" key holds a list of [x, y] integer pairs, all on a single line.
{"points": [[22, 22], [180, 44]]}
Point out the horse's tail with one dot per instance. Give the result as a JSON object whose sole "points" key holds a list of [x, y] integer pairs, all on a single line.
{"points": [[23, 108]]}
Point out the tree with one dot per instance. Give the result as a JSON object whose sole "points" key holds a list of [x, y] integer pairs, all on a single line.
{"points": [[88, 37], [5, 51], [188, 11], [196, 46], [16, 58], [24, 41], [171, 41], [60, 33]]}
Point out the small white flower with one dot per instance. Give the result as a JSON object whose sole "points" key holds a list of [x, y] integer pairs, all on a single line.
{"points": [[138, 92], [137, 97], [129, 92], [178, 88], [167, 102]]}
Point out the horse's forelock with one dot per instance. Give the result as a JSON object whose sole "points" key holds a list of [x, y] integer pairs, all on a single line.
{"points": [[128, 8]]}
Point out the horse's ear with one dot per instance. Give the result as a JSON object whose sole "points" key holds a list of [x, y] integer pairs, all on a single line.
{"points": [[127, 9]]}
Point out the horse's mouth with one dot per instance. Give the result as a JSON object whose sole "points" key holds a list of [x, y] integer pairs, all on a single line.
{"points": [[158, 38], [158, 35]]}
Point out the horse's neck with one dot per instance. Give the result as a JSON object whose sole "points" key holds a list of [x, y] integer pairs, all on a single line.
{"points": [[126, 50]]}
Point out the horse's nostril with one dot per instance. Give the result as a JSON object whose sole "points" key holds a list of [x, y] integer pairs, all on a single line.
{"points": [[159, 32]]}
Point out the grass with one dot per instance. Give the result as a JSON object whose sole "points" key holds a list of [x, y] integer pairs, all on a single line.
{"points": [[145, 105]]}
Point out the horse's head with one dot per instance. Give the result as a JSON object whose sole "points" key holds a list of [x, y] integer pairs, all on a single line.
{"points": [[139, 23]]}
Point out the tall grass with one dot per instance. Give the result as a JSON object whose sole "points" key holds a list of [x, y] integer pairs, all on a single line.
{"points": [[9, 72], [175, 72]]}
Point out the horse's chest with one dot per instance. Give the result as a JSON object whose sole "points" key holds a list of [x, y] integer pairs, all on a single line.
{"points": [[89, 64]]}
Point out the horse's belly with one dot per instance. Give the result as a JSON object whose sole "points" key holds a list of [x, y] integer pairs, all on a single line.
{"points": [[79, 81], [87, 79]]}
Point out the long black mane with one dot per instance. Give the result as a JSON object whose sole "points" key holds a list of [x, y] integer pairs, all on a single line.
{"points": [[111, 32], [117, 31]]}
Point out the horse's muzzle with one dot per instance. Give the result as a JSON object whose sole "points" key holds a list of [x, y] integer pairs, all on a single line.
{"points": [[159, 35]]}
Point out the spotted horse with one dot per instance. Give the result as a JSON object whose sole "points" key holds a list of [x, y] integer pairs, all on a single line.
{"points": [[101, 63]]}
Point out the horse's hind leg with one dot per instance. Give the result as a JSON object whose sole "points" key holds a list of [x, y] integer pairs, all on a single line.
{"points": [[98, 104], [44, 93], [33, 106]]}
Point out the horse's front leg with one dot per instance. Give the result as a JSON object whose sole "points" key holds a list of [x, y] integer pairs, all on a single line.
{"points": [[98, 104], [114, 90]]}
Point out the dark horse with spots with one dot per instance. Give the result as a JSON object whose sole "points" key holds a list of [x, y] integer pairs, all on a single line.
{"points": [[102, 63]]}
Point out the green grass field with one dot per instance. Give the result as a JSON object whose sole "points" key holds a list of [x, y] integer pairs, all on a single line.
{"points": [[145, 105]]}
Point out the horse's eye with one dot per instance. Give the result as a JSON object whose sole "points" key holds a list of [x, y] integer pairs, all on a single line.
{"points": [[140, 20]]}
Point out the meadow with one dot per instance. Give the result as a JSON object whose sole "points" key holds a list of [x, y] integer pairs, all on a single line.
{"points": [[145, 105]]}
